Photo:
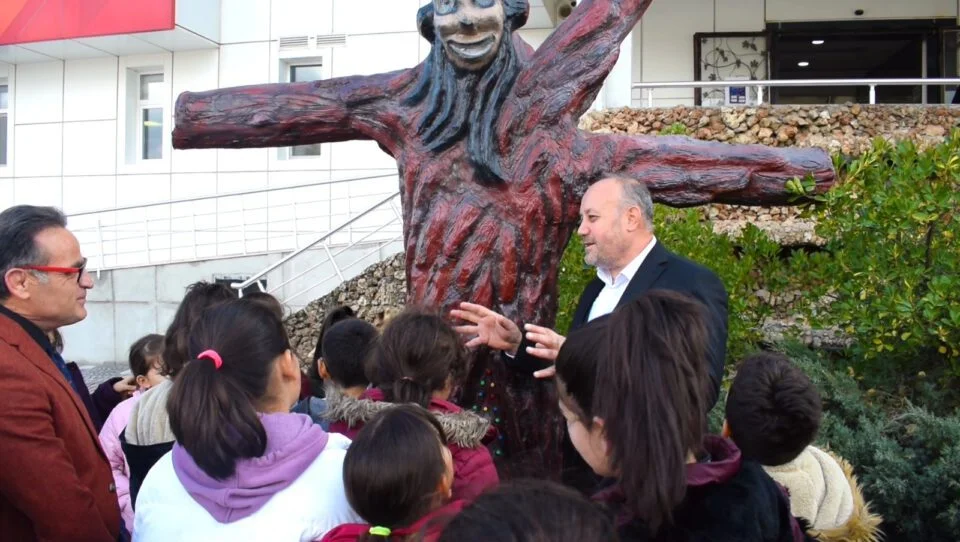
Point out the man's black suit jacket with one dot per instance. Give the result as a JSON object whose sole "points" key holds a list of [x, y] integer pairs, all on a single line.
{"points": [[661, 270]]}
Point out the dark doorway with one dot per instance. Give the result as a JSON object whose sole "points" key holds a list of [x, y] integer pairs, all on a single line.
{"points": [[859, 50]]}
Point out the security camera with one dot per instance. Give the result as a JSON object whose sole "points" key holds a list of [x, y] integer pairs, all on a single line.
{"points": [[858, 12]]}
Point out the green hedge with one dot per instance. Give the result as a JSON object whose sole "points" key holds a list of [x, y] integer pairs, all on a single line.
{"points": [[907, 459], [893, 271]]}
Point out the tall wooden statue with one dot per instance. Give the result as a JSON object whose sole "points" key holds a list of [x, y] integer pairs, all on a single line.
{"points": [[492, 167]]}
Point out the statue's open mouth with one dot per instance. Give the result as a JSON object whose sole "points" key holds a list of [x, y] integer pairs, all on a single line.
{"points": [[474, 50]]}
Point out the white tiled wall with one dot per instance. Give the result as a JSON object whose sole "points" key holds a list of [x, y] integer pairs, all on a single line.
{"points": [[90, 90], [38, 151], [97, 156], [39, 93]]}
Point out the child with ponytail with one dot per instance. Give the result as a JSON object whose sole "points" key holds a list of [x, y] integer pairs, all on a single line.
{"points": [[399, 476], [419, 359], [243, 467], [633, 389]]}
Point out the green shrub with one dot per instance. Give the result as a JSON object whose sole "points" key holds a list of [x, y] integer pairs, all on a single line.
{"points": [[677, 128], [908, 460], [894, 258]]}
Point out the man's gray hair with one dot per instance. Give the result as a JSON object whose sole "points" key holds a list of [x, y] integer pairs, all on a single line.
{"points": [[635, 194], [19, 227]]}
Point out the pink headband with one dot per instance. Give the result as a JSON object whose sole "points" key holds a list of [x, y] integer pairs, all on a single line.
{"points": [[213, 356]]}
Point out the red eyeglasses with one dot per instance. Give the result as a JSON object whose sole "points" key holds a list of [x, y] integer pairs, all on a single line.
{"points": [[63, 270]]}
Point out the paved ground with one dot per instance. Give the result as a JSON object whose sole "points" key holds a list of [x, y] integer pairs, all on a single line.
{"points": [[94, 375]]}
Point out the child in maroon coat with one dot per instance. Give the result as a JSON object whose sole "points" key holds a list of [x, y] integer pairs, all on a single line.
{"points": [[418, 359], [398, 476], [633, 389]]}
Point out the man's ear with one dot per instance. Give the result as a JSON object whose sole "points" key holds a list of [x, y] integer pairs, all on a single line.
{"points": [[635, 219], [16, 282]]}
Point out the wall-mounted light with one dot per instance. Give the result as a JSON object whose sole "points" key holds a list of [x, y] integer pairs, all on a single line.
{"points": [[817, 42], [803, 63]]}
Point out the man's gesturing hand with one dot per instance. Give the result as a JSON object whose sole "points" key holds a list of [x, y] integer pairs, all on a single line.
{"points": [[487, 328]]}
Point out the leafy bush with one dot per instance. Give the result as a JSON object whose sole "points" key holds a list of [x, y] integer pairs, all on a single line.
{"points": [[893, 270], [908, 460], [677, 128]]}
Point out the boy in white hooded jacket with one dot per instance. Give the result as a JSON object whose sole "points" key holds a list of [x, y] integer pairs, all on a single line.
{"points": [[773, 413]]}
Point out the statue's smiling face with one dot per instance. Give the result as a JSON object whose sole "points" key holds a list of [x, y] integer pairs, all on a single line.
{"points": [[471, 30]]}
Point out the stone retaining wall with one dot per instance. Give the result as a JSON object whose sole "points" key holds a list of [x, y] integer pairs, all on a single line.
{"points": [[847, 129], [376, 294]]}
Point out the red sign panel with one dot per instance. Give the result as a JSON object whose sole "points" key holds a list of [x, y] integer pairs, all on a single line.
{"points": [[25, 21]]}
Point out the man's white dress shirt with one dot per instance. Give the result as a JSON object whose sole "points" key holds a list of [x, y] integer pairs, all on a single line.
{"points": [[614, 287]]}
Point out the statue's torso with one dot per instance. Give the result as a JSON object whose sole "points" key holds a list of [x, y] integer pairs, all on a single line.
{"points": [[497, 244]]}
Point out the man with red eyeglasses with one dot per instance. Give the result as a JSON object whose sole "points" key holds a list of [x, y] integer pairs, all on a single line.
{"points": [[55, 480]]}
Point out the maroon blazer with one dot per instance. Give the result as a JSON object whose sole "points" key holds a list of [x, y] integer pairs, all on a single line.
{"points": [[55, 480]]}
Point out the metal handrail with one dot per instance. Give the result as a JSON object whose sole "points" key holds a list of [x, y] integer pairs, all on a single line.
{"points": [[115, 226], [228, 195], [333, 255], [339, 270], [241, 286], [761, 84]]}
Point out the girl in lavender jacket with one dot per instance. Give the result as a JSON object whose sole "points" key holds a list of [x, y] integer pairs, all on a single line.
{"points": [[145, 364], [243, 466]]}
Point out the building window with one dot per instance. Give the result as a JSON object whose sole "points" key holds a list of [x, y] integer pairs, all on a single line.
{"points": [[150, 115], [300, 73], [735, 57], [4, 123]]}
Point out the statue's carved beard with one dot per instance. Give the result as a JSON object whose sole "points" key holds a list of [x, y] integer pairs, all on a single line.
{"points": [[461, 102]]}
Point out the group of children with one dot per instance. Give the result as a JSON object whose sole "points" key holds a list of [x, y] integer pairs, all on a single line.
{"points": [[233, 442]]}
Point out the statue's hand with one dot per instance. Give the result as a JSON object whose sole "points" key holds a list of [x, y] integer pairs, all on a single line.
{"points": [[487, 328]]}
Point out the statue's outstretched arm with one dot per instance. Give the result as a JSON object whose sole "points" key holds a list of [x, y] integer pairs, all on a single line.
{"points": [[277, 115]]}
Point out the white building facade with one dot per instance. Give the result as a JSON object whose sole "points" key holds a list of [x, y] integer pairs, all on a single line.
{"points": [[86, 118]]}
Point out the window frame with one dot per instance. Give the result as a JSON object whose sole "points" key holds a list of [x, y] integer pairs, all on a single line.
{"points": [[7, 136], [142, 105], [128, 109], [287, 67]]}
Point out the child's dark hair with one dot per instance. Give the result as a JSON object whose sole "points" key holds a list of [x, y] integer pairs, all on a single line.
{"points": [[346, 346], [418, 353], [650, 383], [531, 511], [267, 301], [393, 468], [212, 410], [199, 296], [144, 353], [773, 410], [335, 315]]}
